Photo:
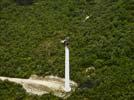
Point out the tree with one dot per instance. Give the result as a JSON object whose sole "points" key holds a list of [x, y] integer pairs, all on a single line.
{"points": [[24, 2]]}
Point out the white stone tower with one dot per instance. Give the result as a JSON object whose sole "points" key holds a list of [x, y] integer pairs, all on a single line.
{"points": [[67, 70]]}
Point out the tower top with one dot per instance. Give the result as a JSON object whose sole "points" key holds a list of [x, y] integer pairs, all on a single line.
{"points": [[65, 41]]}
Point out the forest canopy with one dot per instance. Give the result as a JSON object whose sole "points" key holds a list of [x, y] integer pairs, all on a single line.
{"points": [[30, 44]]}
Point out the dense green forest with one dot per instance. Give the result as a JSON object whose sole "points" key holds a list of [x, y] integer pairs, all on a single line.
{"points": [[30, 44]]}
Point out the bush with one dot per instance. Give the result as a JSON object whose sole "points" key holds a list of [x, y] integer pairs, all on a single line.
{"points": [[24, 2]]}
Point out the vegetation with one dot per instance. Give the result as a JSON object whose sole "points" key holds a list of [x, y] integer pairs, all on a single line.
{"points": [[30, 44], [24, 2]]}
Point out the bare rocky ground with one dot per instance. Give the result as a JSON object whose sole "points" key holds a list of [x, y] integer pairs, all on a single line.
{"points": [[43, 85]]}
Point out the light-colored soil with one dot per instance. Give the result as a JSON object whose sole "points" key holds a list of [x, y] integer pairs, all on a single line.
{"points": [[43, 85]]}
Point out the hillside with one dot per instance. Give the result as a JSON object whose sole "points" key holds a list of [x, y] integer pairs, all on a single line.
{"points": [[30, 44]]}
